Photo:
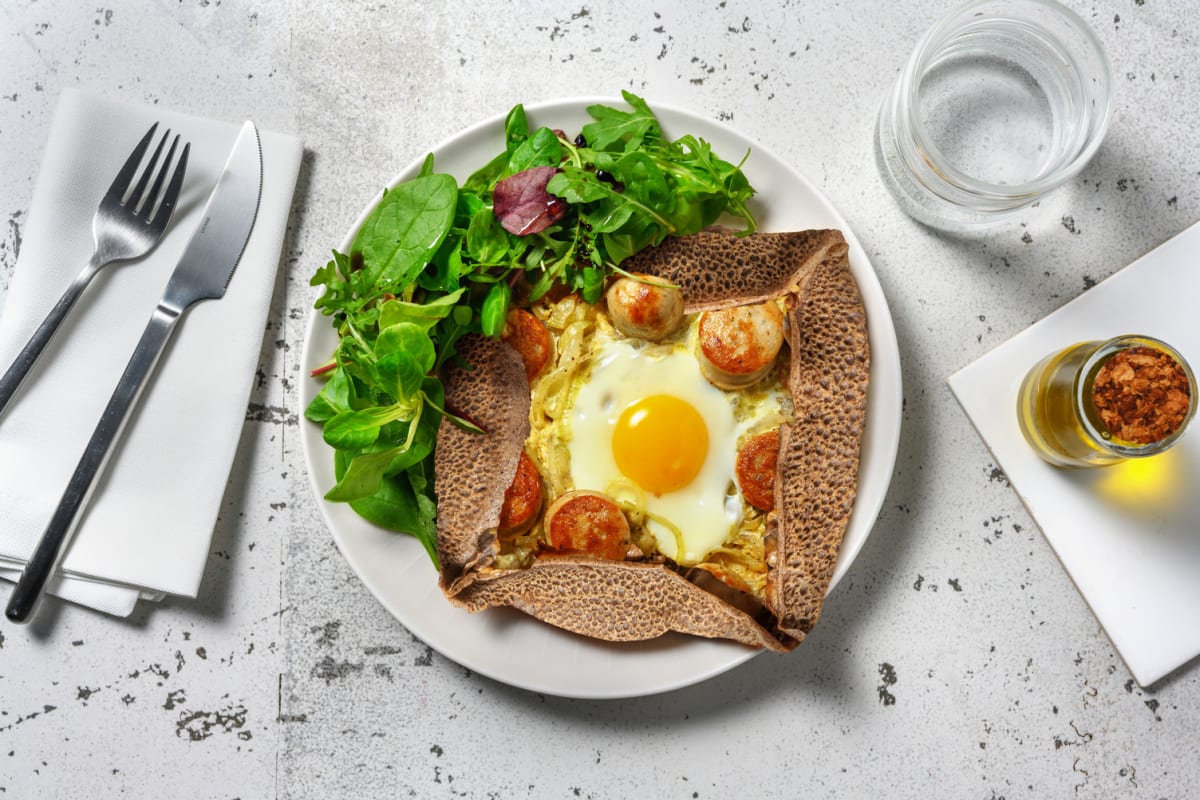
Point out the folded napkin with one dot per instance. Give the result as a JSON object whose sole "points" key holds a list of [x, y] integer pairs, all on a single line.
{"points": [[147, 529], [1127, 534]]}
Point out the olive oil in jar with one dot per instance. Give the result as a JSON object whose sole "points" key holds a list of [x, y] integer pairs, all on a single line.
{"points": [[1047, 411], [1056, 406]]}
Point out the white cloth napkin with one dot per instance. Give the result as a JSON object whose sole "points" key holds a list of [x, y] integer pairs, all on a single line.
{"points": [[147, 529], [1127, 534]]}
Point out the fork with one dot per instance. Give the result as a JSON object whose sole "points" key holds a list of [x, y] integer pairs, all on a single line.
{"points": [[123, 228]]}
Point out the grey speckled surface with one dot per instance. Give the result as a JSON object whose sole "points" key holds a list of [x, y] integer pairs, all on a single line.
{"points": [[955, 660]]}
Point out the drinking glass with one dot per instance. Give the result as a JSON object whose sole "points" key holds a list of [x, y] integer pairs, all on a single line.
{"points": [[1001, 102]]}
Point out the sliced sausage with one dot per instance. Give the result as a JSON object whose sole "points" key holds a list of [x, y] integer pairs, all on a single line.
{"points": [[588, 522], [522, 500], [756, 468], [526, 334]]}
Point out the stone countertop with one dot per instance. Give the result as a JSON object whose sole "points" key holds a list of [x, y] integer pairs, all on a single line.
{"points": [[955, 659]]}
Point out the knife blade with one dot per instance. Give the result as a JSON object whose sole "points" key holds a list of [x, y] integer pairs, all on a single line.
{"points": [[202, 273]]}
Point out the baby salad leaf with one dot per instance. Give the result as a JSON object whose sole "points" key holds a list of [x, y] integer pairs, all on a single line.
{"points": [[435, 261], [523, 205], [494, 310], [486, 240], [401, 446], [365, 471], [516, 131], [363, 476], [400, 374], [410, 339], [541, 150], [358, 429], [397, 504], [423, 315], [334, 397]]}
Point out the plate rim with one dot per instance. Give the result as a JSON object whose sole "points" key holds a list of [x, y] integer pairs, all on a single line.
{"points": [[879, 424]]}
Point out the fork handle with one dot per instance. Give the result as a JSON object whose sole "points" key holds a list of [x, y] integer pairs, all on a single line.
{"points": [[48, 552], [41, 337]]}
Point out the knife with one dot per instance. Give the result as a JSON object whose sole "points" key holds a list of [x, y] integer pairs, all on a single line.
{"points": [[203, 273]]}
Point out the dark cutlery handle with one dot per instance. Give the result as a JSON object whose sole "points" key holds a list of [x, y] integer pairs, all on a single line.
{"points": [[46, 555]]}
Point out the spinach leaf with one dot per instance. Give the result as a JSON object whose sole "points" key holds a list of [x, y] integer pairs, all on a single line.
{"points": [[397, 505], [540, 150], [406, 228]]}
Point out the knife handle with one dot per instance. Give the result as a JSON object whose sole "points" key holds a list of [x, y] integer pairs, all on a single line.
{"points": [[48, 552], [15, 374]]}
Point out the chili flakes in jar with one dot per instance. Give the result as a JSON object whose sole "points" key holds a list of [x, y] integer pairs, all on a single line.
{"points": [[1142, 395]]}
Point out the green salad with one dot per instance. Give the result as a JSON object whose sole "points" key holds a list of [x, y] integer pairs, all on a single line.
{"points": [[437, 260]]}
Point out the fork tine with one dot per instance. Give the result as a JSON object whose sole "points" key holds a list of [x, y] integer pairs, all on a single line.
{"points": [[171, 196], [136, 197], [152, 195], [125, 176]]}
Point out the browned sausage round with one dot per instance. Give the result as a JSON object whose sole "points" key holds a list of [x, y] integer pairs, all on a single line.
{"points": [[756, 466], [644, 310], [526, 334], [522, 500], [738, 345], [588, 522]]}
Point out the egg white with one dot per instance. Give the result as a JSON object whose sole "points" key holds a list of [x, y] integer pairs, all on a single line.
{"points": [[624, 371]]}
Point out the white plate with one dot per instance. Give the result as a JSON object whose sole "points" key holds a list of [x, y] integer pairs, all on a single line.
{"points": [[518, 650]]}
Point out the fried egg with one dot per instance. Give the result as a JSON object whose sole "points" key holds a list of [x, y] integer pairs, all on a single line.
{"points": [[646, 428]]}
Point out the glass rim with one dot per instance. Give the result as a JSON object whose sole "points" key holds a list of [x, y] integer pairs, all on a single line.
{"points": [[1107, 349], [1014, 193]]}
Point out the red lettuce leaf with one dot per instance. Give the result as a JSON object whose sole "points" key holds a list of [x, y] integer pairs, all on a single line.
{"points": [[523, 205]]}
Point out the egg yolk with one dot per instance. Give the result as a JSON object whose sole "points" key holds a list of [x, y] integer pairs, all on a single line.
{"points": [[660, 442]]}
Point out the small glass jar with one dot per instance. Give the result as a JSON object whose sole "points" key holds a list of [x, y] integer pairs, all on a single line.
{"points": [[1062, 411]]}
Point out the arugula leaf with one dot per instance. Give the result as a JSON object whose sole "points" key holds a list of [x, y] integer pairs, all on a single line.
{"points": [[450, 331], [629, 129], [643, 179], [577, 185]]}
